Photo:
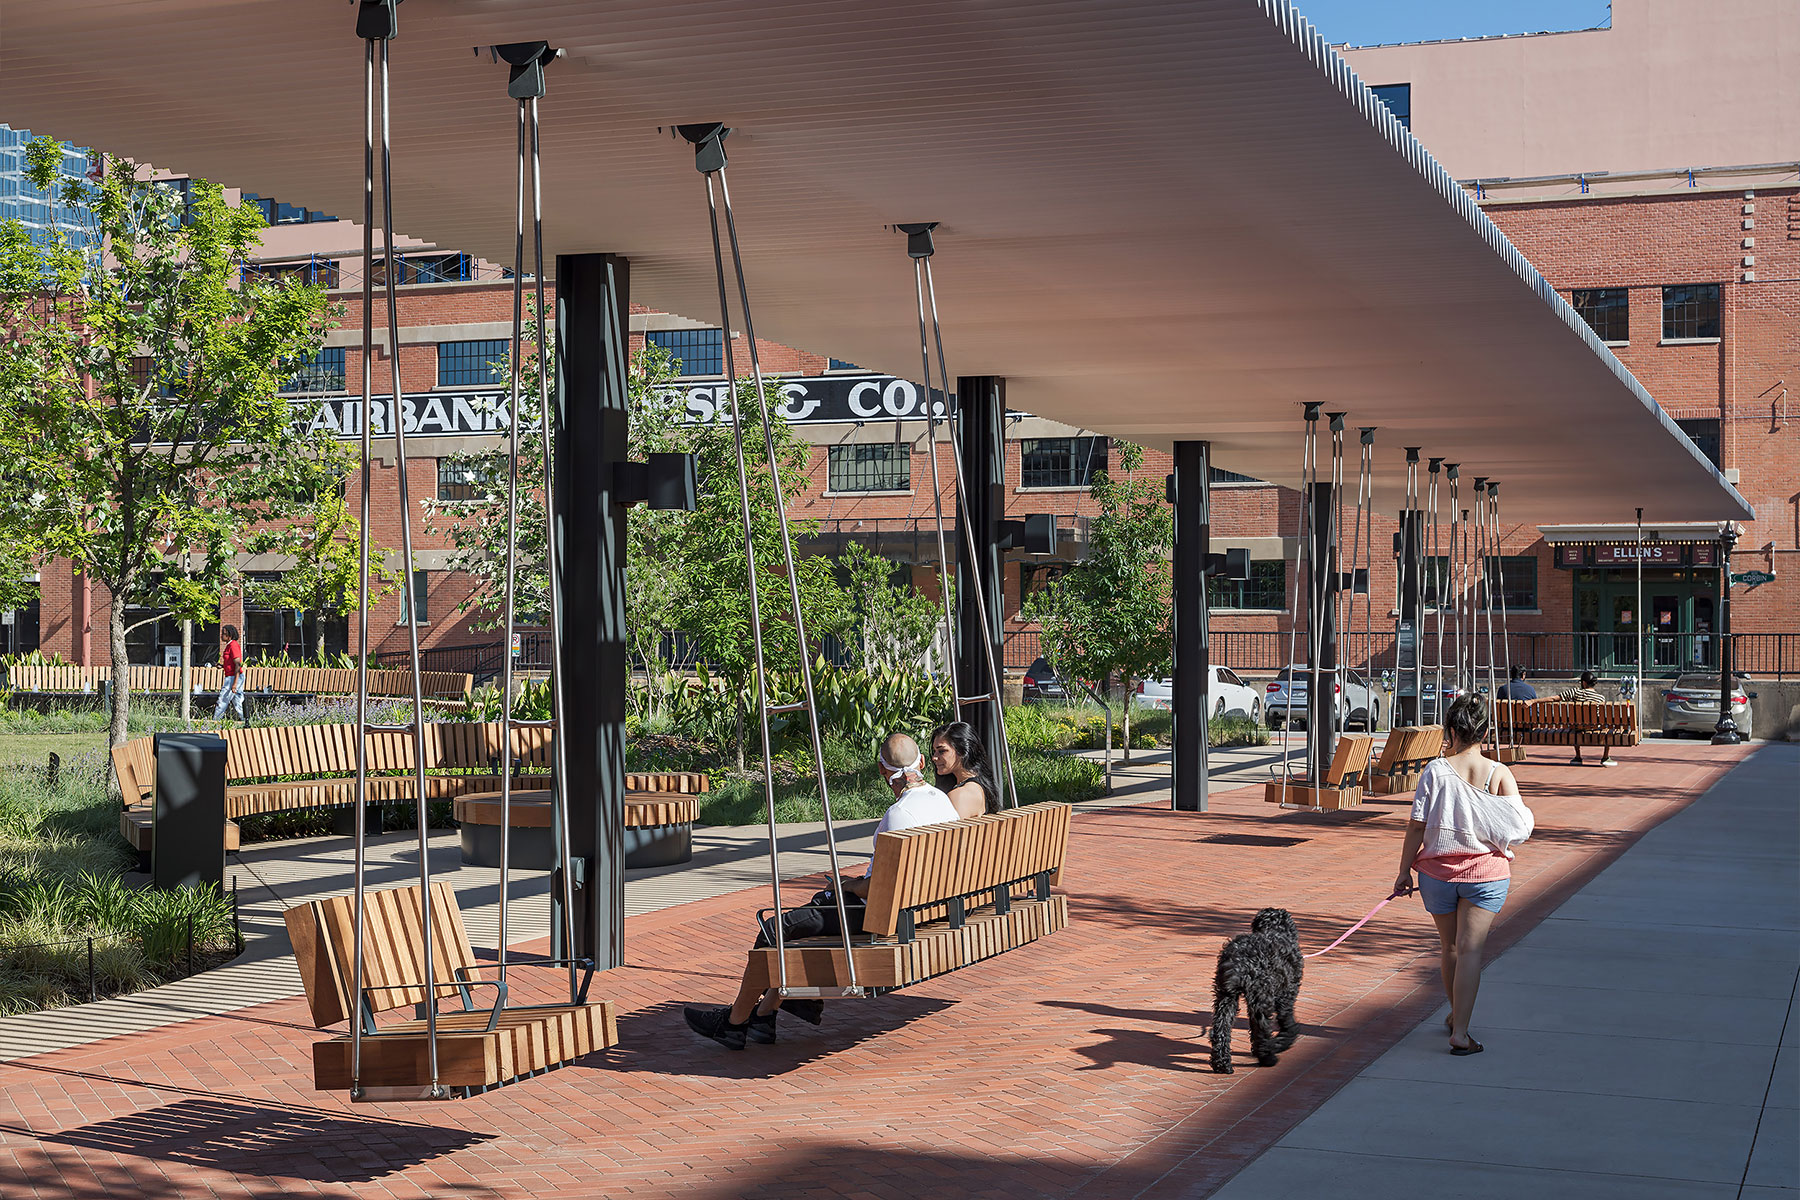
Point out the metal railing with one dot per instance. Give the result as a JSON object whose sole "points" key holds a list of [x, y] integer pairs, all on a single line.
{"points": [[1760, 655]]}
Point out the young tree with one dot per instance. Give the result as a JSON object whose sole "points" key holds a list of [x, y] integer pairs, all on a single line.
{"points": [[894, 624], [321, 541], [476, 525], [1109, 615], [140, 387]]}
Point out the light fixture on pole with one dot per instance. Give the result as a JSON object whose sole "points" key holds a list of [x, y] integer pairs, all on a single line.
{"points": [[1725, 733]]}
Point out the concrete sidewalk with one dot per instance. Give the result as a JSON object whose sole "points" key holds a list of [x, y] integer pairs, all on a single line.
{"points": [[1641, 1043]]}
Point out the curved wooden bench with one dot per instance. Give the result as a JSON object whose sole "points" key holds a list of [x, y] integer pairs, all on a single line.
{"points": [[278, 768], [1342, 786], [941, 897], [479, 1047], [313, 681], [659, 829]]}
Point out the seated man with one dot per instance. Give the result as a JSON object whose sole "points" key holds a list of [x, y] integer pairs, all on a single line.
{"points": [[1515, 687], [752, 1014], [1585, 694]]}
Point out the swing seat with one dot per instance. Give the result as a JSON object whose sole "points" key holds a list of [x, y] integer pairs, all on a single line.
{"points": [[941, 897], [480, 1046], [1408, 750], [1342, 785]]}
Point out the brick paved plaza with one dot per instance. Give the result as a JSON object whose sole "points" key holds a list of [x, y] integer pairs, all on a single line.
{"points": [[1073, 1067]]}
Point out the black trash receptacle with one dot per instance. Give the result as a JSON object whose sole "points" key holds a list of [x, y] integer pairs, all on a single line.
{"points": [[189, 847]]}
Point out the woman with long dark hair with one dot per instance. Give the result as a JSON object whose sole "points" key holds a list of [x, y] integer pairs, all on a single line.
{"points": [[1466, 819], [961, 763]]}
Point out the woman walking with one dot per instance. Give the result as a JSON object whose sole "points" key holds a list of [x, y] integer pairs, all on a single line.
{"points": [[962, 766], [1466, 818]]}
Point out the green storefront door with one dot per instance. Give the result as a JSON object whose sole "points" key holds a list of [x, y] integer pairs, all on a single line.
{"points": [[1676, 620]]}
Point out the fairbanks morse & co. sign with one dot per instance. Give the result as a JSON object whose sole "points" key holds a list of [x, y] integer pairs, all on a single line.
{"points": [[803, 400]]}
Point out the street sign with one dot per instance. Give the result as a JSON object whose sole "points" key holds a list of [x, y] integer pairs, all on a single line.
{"points": [[1753, 578]]}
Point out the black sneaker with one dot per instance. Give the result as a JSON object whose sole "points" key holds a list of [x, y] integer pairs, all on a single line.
{"points": [[714, 1021], [810, 1011], [761, 1028]]}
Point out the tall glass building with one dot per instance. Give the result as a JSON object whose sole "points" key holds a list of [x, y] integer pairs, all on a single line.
{"points": [[42, 215]]}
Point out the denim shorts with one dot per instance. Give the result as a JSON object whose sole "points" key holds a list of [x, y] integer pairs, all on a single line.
{"points": [[1440, 897]]}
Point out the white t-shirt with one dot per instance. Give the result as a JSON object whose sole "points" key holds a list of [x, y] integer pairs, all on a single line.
{"points": [[1460, 818], [920, 805]]}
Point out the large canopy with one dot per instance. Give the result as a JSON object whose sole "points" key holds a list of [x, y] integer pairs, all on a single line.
{"points": [[1161, 219]]}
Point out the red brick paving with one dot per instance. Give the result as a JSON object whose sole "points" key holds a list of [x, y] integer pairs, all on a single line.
{"points": [[1070, 1068]]}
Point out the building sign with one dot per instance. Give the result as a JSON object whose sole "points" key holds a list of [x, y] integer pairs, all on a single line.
{"points": [[803, 400], [1629, 554]]}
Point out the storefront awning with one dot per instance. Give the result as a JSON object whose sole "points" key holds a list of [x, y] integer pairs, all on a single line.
{"points": [[1162, 219]]}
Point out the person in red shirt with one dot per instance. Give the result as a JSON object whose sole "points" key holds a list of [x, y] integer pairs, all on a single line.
{"points": [[231, 662]]}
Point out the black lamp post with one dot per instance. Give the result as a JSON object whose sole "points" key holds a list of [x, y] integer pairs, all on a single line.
{"points": [[1725, 733]]}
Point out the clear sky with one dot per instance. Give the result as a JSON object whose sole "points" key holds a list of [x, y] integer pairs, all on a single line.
{"points": [[1372, 22]]}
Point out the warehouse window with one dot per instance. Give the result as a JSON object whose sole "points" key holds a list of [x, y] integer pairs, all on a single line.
{"points": [[471, 364], [881, 467], [1704, 433], [323, 372], [1060, 462], [1265, 589], [1691, 310], [696, 351], [1605, 310]]}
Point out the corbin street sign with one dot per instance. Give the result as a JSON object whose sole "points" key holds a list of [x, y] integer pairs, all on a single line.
{"points": [[1752, 578]]}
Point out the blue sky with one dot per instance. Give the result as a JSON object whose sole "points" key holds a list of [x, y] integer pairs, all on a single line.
{"points": [[1371, 22]]}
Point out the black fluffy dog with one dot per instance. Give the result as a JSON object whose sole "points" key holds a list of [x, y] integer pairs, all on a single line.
{"points": [[1264, 968]]}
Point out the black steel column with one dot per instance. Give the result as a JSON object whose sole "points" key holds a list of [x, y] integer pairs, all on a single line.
{"points": [[981, 411], [1725, 733], [592, 298], [1321, 683], [1408, 665], [1193, 650]]}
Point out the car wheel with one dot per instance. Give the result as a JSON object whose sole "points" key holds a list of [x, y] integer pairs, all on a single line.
{"points": [[1219, 710], [1256, 710], [1374, 721]]}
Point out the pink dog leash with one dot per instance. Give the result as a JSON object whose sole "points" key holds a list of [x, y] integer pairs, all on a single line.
{"points": [[1366, 918]]}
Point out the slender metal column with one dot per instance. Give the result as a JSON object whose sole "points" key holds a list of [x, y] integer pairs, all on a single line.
{"points": [[1408, 661], [981, 417], [1193, 649], [592, 297], [1725, 733], [1322, 684]]}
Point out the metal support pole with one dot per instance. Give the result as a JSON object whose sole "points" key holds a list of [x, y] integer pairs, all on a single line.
{"points": [[592, 297], [981, 417], [1322, 683], [1193, 652], [1725, 733]]}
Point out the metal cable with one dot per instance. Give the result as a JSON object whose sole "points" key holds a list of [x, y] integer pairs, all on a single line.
{"points": [[937, 497], [509, 593], [977, 591], [1505, 636], [362, 574]]}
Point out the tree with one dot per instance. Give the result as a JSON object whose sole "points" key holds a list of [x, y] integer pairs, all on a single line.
{"points": [[894, 625], [712, 603], [321, 541], [476, 524], [140, 406], [1109, 614]]}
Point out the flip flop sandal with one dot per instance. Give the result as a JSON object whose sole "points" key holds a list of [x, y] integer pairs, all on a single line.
{"points": [[1474, 1047]]}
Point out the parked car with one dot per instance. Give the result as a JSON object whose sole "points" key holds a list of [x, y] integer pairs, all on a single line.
{"points": [[1226, 693], [1692, 706], [1429, 700], [1358, 702], [1042, 682]]}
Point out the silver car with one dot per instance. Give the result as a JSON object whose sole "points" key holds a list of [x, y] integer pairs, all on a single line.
{"points": [[1692, 706], [1358, 703]]}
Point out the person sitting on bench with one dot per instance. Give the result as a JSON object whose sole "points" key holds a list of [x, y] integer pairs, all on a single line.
{"points": [[752, 1015], [1515, 687], [1585, 694]]}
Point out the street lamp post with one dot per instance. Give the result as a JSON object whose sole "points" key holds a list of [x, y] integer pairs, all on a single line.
{"points": [[1725, 733]]}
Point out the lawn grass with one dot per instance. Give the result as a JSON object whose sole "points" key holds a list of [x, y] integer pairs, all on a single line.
{"points": [[36, 748]]}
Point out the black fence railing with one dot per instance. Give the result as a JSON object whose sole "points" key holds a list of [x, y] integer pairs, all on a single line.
{"points": [[1760, 655]]}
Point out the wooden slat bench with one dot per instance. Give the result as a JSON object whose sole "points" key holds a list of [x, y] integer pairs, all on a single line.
{"points": [[1406, 753], [941, 897], [1573, 723], [1342, 786], [479, 1047], [312, 681], [278, 768]]}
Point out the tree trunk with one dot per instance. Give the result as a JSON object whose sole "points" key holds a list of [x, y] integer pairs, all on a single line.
{"points": [[1125, 726], [1106, 710], [187, 672], [738, 708], [121, 670], [321, 643]]}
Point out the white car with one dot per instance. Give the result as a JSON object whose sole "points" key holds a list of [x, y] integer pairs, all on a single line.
{"points": [[1225, 692]]}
